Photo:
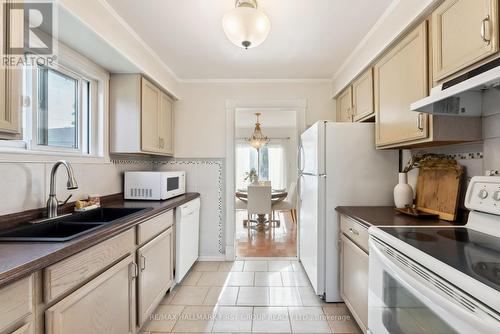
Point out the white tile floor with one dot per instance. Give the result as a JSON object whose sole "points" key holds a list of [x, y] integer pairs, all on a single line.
{"points": [[252, 296]]}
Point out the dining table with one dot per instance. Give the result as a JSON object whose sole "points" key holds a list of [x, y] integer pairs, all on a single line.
{"points": [[277, 195]]}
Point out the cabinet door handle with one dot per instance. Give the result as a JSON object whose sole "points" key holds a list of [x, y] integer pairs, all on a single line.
{"points": [[420, 123], [134, 271], [353, 231], [483, 29], [142, 262]]}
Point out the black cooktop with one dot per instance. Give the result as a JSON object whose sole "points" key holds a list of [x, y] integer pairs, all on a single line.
{"points": [[473, 253]]}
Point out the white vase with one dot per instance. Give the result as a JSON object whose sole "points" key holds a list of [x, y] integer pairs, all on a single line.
{"points": [[403, 192]]}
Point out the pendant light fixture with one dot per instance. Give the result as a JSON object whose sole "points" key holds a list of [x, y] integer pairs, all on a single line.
{"points": [[246, 26], [258, 140]]}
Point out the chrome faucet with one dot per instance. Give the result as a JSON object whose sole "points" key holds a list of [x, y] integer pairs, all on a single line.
{"points": [[52, 202]]}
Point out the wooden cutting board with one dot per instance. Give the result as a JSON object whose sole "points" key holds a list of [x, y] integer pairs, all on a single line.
{"points": [[438, 188]]}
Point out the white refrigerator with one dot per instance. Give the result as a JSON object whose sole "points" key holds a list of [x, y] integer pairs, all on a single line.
{"points": [[338, 166]]}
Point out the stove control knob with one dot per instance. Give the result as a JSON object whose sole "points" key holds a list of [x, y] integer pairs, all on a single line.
{"points": [[483, 194], [496, 196]]}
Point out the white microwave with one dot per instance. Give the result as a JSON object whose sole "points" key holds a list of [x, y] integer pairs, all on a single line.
{"points": [[154, 185]]}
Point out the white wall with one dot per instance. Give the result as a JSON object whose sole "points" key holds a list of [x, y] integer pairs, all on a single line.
{"points": [[200, 116]]}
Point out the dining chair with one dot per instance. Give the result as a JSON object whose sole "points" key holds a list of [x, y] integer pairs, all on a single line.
{"points": [[259, 201], [289, 203]]}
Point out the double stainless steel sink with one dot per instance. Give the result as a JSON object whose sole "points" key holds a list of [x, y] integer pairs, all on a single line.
{"points": [[67, 227]]}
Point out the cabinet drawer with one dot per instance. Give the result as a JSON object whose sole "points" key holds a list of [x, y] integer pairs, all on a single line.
{"points": [[355, 231], [69, 273], [16, 302], [26, 329], [154, 226]]}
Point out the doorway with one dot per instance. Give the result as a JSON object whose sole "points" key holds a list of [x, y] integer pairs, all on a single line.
{"points": [[272, 234]]}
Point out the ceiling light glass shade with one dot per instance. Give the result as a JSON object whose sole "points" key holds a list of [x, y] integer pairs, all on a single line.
{"points": [[246, 27]]}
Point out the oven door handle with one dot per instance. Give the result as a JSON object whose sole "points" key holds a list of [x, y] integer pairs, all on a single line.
{"points": [[477, 322]]}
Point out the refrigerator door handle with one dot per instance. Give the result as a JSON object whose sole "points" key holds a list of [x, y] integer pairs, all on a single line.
{"points": [[299, 186], [300, 158]]}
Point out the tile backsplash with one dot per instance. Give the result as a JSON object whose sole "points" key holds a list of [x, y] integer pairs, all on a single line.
{"points": [[25, 185]]}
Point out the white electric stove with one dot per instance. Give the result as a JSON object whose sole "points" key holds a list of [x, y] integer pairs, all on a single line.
{"points": [[439, 279]]}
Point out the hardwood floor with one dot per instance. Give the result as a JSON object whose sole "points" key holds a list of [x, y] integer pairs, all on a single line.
{"points": [[273, 242]]}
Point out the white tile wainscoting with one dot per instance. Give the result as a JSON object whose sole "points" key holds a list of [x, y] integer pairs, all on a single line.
{"points": [[207, 177], [248, 297], [25, 185]]}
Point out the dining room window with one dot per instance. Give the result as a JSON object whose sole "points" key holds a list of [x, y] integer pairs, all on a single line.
{"points": [[273, 166]]}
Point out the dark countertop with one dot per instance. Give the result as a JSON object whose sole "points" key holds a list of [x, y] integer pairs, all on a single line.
{"points": [[387, 216], [18, 260]]}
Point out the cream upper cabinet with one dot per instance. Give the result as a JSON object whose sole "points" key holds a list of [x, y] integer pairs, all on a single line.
{"points": [[10, 91], [141, 117], [155, 273], [104, 305], [463, 32], [344, 106], [362, 96], [400, 78], [166, 124], [150, 116]]}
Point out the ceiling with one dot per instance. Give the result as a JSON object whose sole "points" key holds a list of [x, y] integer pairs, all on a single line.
{"points": [[309, 39]]}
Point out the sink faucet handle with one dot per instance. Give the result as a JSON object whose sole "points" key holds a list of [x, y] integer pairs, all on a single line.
{"points": [[65, 201]]}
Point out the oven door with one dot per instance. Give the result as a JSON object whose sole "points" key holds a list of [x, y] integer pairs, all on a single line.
{"points": [[405, 297]]}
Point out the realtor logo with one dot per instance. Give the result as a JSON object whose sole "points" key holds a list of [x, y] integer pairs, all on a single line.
{"points": [[30, 28], [31, 35]]}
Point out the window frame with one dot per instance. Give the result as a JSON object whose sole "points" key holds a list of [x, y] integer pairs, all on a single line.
{"points": [[32, 126], [98, 137]]}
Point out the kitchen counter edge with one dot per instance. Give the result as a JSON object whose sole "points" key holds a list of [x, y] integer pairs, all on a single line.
{"points": [[387, 216]]}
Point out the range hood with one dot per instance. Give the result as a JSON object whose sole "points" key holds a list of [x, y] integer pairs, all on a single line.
{"points": [[463, 95]]}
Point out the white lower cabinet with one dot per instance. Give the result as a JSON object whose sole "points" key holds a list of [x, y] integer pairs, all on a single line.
{"points": [[155, 261], [104, 305], [354, 278]]}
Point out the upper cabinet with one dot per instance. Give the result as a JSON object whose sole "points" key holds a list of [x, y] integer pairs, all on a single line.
{"points": [[355, 103], [10, 93], [344, 106], [401, 77], [463, 33], [362, 97], [141, 117]]}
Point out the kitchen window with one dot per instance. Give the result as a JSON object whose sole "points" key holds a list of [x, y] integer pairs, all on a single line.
{"points": [[64, 109]]}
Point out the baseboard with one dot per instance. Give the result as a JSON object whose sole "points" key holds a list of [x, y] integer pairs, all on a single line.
{"points": [[230, 256], [204, 258]]}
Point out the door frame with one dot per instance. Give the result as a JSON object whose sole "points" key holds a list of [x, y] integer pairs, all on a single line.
{"points": [[297, 105]]}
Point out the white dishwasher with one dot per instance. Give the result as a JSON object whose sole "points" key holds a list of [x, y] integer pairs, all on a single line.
{"points": [[187, 236]]}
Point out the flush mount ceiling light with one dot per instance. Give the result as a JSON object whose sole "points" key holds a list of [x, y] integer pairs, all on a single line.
{"points": [[246, 26]]}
